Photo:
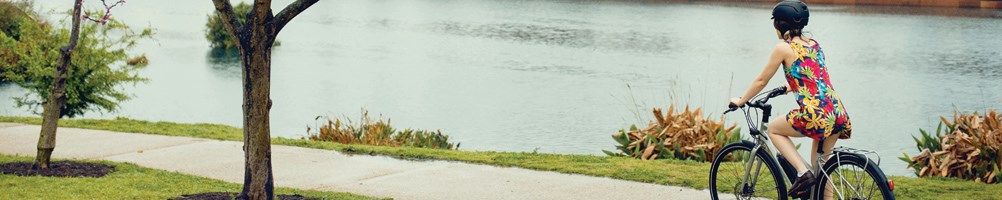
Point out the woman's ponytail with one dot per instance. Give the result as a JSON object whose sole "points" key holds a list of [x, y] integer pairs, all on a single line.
{"points": [[789, 30]]}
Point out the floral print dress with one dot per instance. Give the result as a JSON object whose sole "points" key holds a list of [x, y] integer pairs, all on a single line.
{"points": [[821, 113]]}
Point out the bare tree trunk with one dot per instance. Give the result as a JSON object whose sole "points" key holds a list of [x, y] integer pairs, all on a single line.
{"points": [[256, 56], [52, 110], [256, 37]]}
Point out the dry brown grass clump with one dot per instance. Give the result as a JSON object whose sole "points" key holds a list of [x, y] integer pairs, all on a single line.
{"points": [[969, 150], [681, 135]]}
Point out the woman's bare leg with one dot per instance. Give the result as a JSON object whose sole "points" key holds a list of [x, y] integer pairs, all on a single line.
{"points": [[829, 145], [780, 132]]}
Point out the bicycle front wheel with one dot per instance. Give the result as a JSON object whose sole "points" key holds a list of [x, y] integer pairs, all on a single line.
{"points": [[734, 163], [850, 176]]}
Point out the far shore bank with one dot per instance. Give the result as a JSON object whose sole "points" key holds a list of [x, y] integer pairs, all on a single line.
{"points": [[986, 4]]}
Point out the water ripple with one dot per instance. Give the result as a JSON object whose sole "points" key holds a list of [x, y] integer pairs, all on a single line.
{"points": [[634, 41]]}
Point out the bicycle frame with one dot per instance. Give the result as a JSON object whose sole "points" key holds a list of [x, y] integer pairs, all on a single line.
{"points": [[754, 166], [760, 140], [759, 143], [759, 135]]}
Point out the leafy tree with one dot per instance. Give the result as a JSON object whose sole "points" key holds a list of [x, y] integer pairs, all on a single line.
{"points": [[93, 84], [12, 20], [216, 31], [255, 38], [67, 81]]}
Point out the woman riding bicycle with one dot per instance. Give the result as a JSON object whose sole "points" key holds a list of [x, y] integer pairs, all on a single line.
{"points": [[820, 114]]}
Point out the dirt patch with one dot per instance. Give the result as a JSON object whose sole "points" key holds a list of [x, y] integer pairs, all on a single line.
{"points": [[58, 169], [231, 195]]}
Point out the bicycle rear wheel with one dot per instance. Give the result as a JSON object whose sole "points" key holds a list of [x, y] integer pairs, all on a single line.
{"points": [[851, 176], [729, 170]]}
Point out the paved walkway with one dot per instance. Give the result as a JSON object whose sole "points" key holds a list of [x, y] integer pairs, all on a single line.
{"points": [[326, 170]]}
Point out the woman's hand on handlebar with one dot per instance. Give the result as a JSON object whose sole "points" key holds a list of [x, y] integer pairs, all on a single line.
{"points": [[731, 106], [736, 102]]}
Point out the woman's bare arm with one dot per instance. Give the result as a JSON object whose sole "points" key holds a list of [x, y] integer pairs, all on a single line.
{"points": [[779, 54]]}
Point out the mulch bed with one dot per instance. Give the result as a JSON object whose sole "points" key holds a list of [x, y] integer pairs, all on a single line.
{"points": [[58, 169], [231, 195]]}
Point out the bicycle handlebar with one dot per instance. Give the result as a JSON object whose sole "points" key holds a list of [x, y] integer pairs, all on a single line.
{"points": [[760, 102]]}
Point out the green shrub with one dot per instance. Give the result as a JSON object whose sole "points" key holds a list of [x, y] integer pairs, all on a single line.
{"points": [[376, 132]]}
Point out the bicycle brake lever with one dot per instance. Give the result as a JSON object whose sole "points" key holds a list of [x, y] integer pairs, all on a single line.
{"points": [[732, 109]]}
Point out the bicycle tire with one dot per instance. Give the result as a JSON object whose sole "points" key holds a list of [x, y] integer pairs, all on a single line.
{"points": [[746, 146], [871, 170]]}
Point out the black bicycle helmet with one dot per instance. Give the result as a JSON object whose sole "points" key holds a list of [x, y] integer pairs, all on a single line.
{"points": [[793, 11]]}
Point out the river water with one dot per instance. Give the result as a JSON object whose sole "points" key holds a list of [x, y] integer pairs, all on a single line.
{"points": [[561, 76]]}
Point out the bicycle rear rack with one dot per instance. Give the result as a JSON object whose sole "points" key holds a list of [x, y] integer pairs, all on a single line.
{"points": [[866, 153]]}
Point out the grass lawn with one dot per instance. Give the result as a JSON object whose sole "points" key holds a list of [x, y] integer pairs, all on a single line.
{"points": [[668, 172], [128, 181]]}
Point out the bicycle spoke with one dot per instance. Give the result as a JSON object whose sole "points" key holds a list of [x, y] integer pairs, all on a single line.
{"points": [[852, 181], [859, 182], [847, 184], [732, 172], [869, 194], [841, 184]]}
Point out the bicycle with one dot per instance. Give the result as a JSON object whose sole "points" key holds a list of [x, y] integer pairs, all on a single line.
{"points": [[855, 175]]}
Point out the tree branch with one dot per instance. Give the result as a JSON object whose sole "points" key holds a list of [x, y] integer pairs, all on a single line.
{"points": [[290, 12], [261, 13], [225, 10], [75, 30], [107, 12]]}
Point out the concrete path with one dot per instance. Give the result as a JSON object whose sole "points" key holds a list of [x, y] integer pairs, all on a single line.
{"points": [[326, 170]]}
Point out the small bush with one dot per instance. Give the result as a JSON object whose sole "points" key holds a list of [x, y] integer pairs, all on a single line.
{"points": [[138, 61], [685, 135], [968, 150], [377, 132]]}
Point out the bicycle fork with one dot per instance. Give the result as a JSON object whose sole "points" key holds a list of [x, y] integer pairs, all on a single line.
{"points": [[749, 176], [748, 168]]}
